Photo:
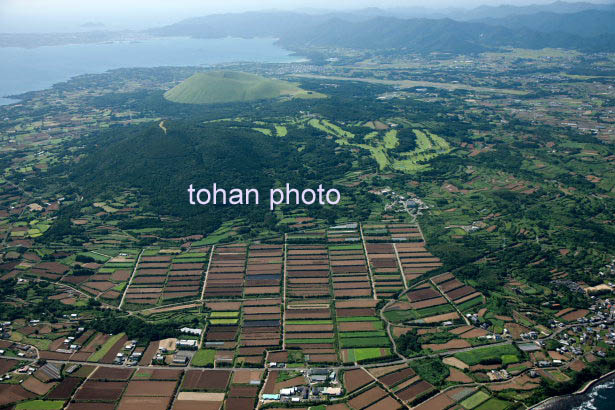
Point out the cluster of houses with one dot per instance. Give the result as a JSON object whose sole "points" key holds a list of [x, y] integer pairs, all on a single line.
{"points": [[128, 356], [321, 383]]}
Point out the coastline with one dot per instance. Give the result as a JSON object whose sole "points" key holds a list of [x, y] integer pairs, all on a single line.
{"points": [[569, 401]]}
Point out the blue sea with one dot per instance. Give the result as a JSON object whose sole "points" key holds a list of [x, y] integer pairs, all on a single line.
{"points": [[31, 69], [600, 397]]}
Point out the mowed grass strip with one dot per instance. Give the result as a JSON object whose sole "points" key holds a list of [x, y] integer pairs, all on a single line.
{"points": [[104, 349], [309, 322], [365, 342], [224, 314], [40, 405]]}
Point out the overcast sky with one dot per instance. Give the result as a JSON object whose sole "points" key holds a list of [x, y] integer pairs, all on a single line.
{"points": [[66, 15]]}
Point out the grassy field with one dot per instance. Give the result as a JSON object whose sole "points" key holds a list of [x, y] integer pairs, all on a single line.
{"points": [[403, 315], [493, 404], [509, 358], [100, 353], [366, 353], [204, 358], [475, 400], [487, 353], [40, 405], [229, 86]]}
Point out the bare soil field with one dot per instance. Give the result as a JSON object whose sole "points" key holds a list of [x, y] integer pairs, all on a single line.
{"points": [[237, 403], [64, 389], [36, 386], [196, 405], [422, 294], [150, 388], [206, 380], [575, 315], [428, 303], [388, 403], [101, 391], [111, 374], [441, 401], [451, 344], [366, 398], [355, 379], [378, 372], [139, 403], [441, 318], [413, 391], [457, 375], [197, 396], [397, 377], [91, 406]]}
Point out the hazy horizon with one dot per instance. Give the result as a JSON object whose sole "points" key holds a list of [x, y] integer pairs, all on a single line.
{"points": [[24, 16]]}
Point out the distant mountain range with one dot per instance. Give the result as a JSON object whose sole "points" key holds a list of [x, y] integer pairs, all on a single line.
{"points": [[575, 26], [586, 23]]}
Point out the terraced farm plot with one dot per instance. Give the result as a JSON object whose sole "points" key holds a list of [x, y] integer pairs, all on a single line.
{"points": [[361, 335], [462, 295], [349, 271], [307, 271], [167, 277], [415, 260], [262, 329], [264, 271], [226, 274], [385, 269]]}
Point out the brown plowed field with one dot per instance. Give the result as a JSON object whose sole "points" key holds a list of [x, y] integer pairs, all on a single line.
{"points": [[206, 380], [366, 398], [356, 303], [442, 278], [236, 403], [460, 292], [111, 374], [150, 388], [428, 303], [91, 406], [355, 312], [243, 391], [388, 403], [196, 405], [395, 378], [64, 390], [411, 392], [451, 344], [441, 318], [450, 285], [355, 326], [100, 391], [139, 403], [441, 401], [422, 294]]}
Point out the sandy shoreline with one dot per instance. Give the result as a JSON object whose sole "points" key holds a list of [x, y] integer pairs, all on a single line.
{"points": [[569, 401]]}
